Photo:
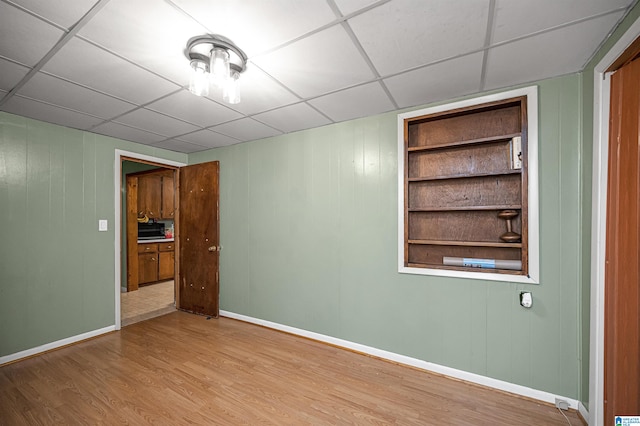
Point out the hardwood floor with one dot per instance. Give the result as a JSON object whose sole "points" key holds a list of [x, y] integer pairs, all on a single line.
{"points": [[184, 369]]}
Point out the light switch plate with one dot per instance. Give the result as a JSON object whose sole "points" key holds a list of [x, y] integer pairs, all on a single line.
{"points": [[516, 153], [102, 225]]}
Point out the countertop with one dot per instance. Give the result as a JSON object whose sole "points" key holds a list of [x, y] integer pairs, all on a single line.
{"points": [[159, 240]]}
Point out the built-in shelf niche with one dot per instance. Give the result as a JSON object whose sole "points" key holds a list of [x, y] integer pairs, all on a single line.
{"points": [[467, 175]]}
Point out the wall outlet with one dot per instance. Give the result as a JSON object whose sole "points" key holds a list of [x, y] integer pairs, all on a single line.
{"points": [[102, 225], [562, 404]]}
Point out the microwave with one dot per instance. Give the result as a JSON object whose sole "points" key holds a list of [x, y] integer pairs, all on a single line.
{"points": [[150, 231]]}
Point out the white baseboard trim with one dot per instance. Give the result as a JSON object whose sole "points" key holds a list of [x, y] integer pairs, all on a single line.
{"points": [[583, 412], [54, 345], [414, 362]]}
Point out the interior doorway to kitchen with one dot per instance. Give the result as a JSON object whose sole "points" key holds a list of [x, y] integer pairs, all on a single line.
{"points": [[148, 261], [156, 298]]}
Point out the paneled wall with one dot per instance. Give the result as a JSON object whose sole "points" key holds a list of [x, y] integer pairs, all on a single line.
{"points": [[309, 230], [57, 275]]}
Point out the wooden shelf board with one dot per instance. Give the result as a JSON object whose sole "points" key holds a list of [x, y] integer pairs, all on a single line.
{"points": [[465, 243], [465, 208], [462, 268], [466, 175], [463, 143]]}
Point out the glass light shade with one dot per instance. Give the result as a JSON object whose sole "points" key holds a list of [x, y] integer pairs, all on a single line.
{"points": [[199, 82], [231, 90], [219, 65]]}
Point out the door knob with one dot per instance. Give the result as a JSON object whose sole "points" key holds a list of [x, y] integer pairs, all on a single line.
{"points": [[213, 248]]}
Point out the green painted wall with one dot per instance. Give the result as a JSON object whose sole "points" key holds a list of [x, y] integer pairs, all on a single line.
{"points": [[309, 230], [57, 271], [308, 225]]}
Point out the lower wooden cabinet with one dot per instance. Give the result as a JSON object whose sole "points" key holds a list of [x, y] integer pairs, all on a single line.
{"points": [[156, 262], [147, 268], [167, 261]]}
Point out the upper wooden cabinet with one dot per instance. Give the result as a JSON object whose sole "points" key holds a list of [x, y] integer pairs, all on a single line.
{"points": [[168, 195], [149, 195], [466, 190], [156, 194]]}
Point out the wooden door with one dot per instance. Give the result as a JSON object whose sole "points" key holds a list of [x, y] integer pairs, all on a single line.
{"points": [[198, 235], [622, 270]]}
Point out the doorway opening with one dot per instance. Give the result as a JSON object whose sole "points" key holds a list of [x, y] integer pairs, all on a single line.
{"points": [[148, 259], [151, 300]]}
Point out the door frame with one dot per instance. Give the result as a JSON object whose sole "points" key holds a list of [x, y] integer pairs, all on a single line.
{"points": [[601, 101], [117, 226]]}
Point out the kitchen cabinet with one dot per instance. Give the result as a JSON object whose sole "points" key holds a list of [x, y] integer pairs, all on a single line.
{"points": [[149, 195], [156, 194], [166, 265], [156, 262], [168, 195]]}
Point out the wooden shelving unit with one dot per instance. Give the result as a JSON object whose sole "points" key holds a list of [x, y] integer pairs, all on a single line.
{"points": [[462, 168]]}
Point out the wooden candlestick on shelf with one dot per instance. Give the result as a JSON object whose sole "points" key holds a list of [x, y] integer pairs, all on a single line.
{"points": [[509, 236]]}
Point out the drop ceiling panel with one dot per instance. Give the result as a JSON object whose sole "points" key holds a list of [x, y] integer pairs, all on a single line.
{"points": [[149, 32], [445, 80], [246, 129], [24, 38], [208, 139], [403, 34], [349, 6], [179, 146], [259, 92], [60, 92], [197, 110], [49, 113], [11, 74], [292, 118], [360, 101], [514, 19], [310, 62], [508, 64], [258, 25], [120, 131], [323, 62], [62, 12], [105, 72], [157, 123]]}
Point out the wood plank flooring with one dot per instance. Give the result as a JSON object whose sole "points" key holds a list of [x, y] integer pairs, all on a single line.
{"points": [[184, 369]]}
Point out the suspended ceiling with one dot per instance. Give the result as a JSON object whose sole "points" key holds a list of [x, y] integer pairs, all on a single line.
{"points": [[117, 67]]}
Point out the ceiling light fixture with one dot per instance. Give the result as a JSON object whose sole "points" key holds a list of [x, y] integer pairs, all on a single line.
{"points": [[215, 60]]}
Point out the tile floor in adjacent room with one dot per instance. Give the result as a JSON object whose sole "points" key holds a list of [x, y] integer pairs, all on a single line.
{"points": [[147, 302]]}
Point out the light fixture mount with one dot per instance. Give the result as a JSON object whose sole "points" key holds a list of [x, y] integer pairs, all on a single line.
{"points": [[216, 56]]}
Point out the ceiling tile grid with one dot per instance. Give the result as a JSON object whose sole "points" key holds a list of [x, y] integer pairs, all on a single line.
{"points": [[64, 13], [57, 91], [50, 113], [323, 62], [122, 71], [208, 139], [356, 102], [11, 74], [23, 37], [200, 111]]}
